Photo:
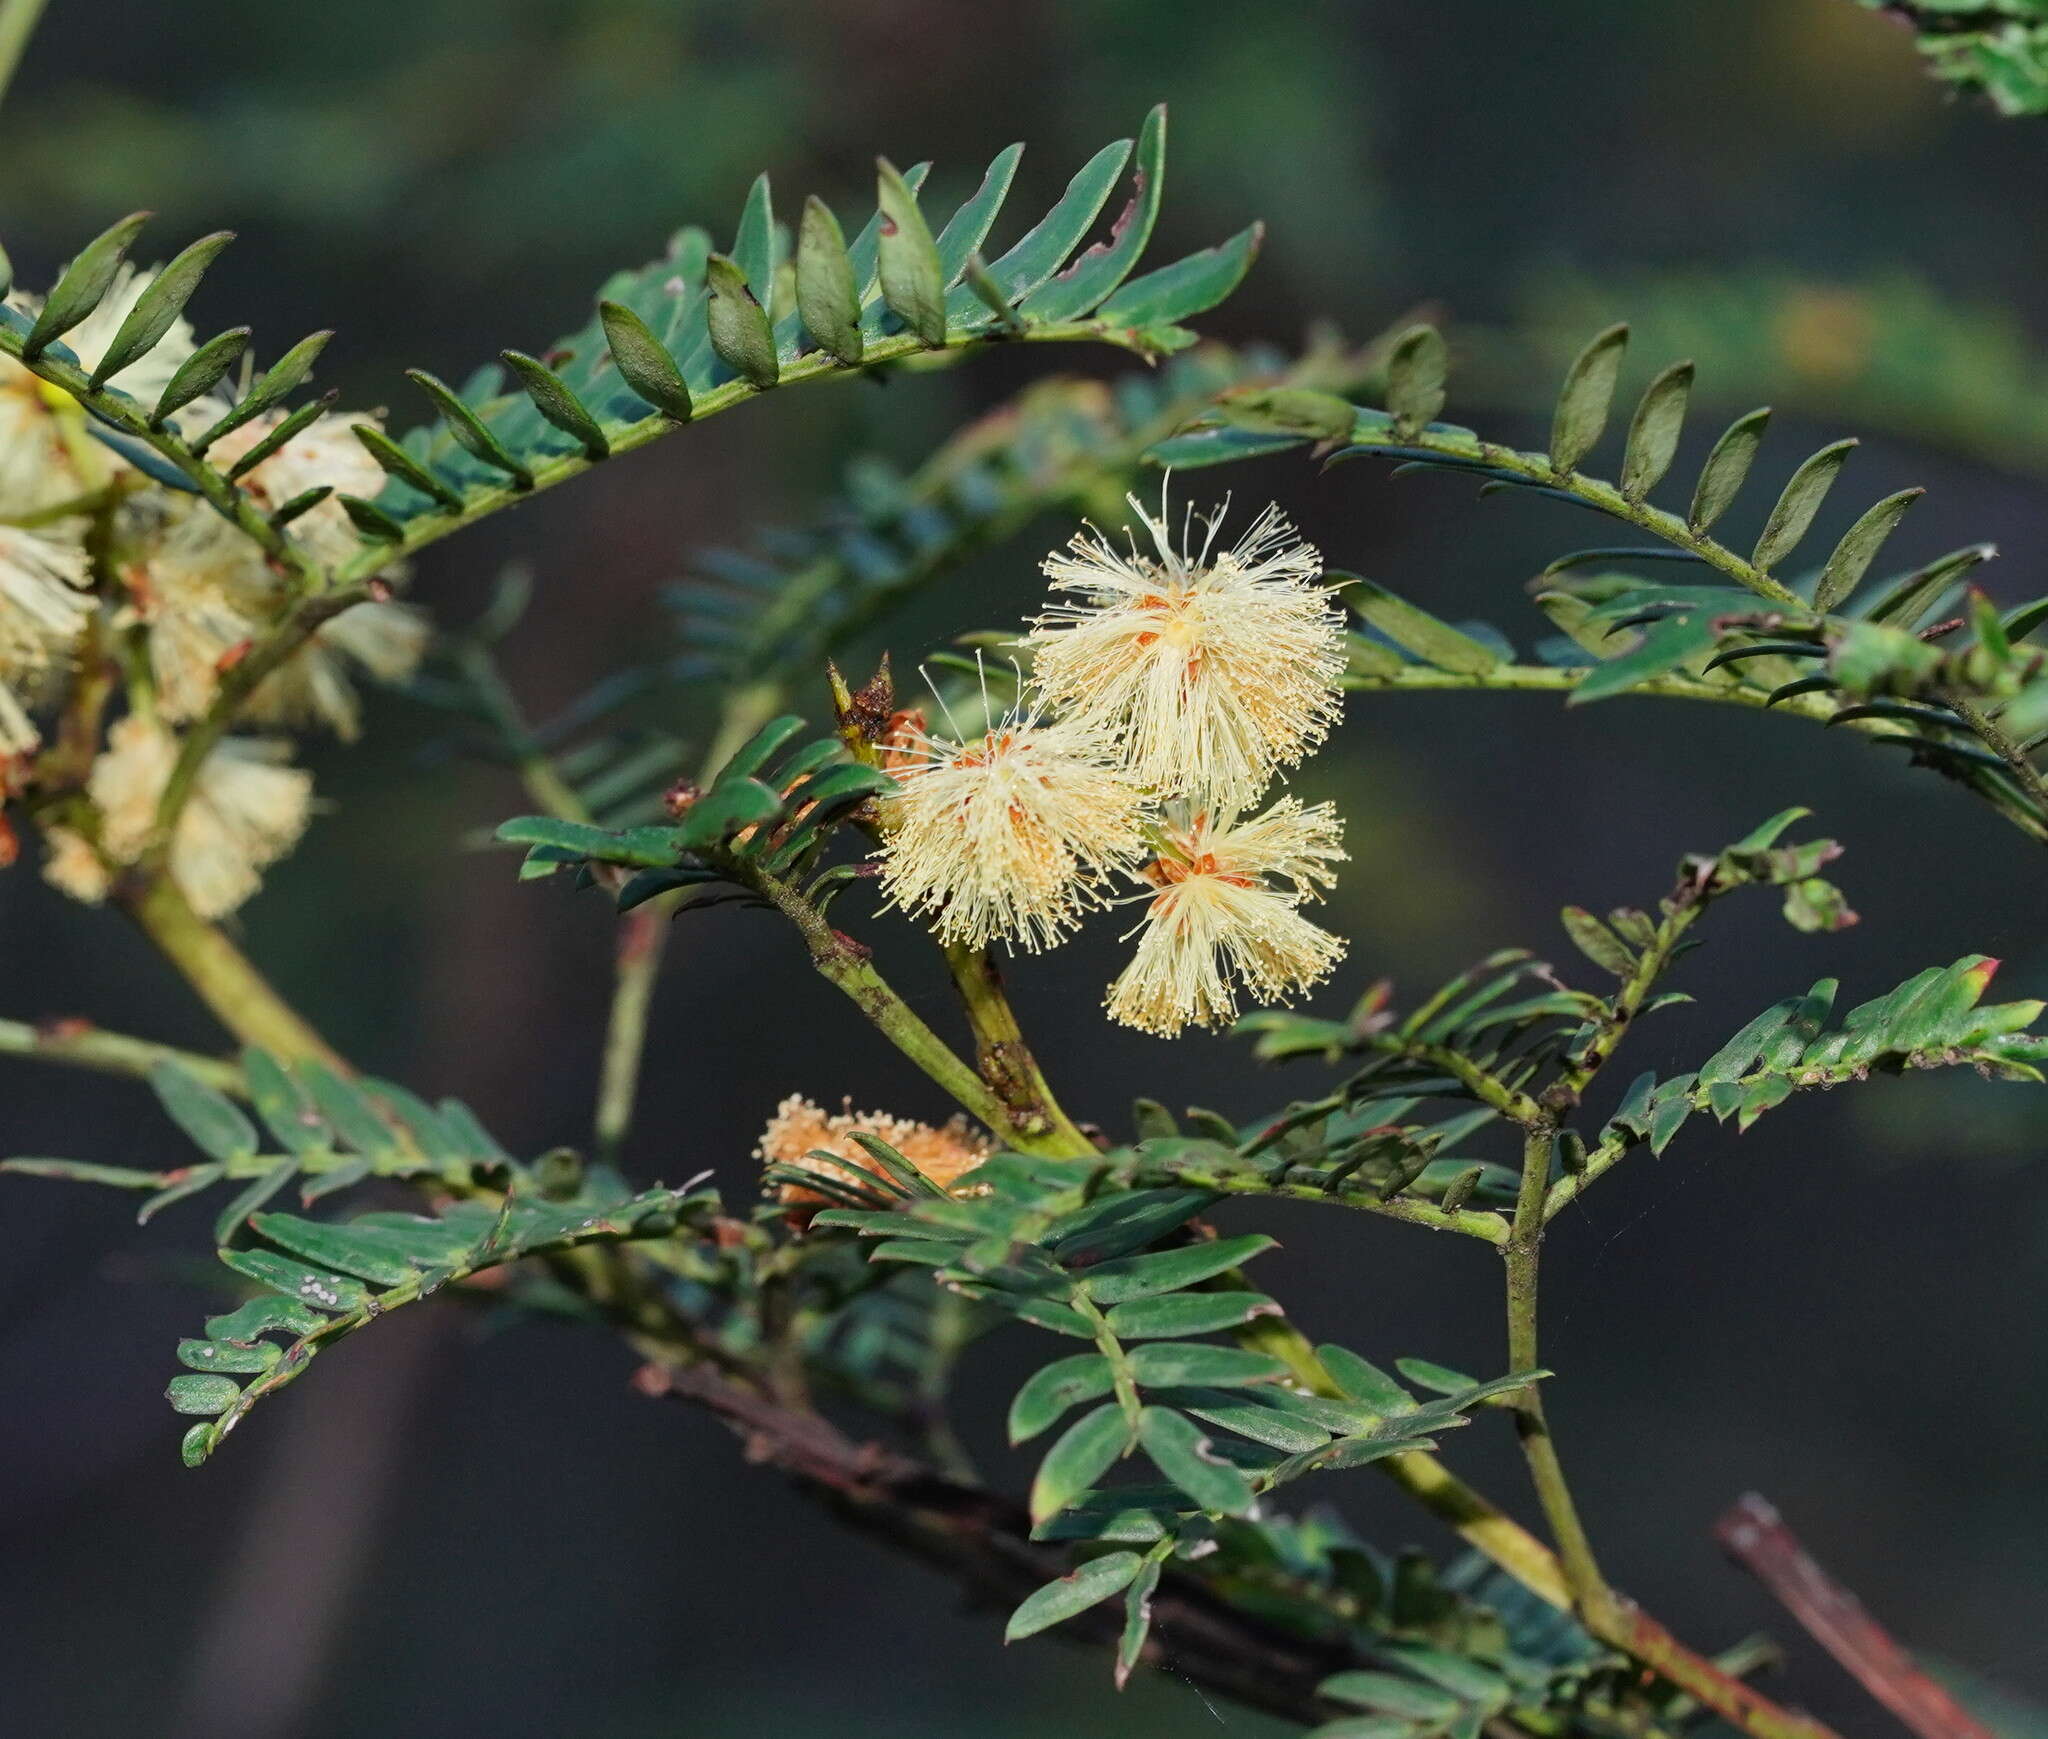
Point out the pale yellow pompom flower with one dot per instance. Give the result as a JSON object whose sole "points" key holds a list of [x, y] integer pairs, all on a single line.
{"points": [[208, 589], [1225, 918], [801, 1133], [245, 812], [315, 687], [43, 610], [1212, 669], [1008, 835]]}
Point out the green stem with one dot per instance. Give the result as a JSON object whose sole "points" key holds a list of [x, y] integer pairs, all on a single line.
{"points": [[1523, 1252], [17, 23], [222, 976], [1005, 1060], [643, 941], [1485, 1528], [1487, 1088], [226, 498], [298, 626], [79, 1044], [643, 935], [1650, 967], [846, 965], [1993, 736], [1227, 1180], [95, 500]]}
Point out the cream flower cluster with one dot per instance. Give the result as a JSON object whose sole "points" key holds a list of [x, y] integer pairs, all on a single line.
{"points": [[1168, 688], [174, 597]]}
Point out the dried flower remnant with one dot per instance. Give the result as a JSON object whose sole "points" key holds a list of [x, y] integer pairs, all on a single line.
{"points": [[246, 811], [1226, 916], [1007, 835], [801, 1130], [1212, 670]]}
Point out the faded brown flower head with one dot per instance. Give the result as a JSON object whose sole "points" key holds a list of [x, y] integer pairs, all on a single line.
{"points": [[801, 1130]]}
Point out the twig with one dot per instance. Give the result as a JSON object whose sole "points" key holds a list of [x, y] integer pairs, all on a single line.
{"points": [[1005, 1059], [79, 1044], [984, 1539], [1756, 1536], [845, 964], [1523, 1252], [1992, 735]]}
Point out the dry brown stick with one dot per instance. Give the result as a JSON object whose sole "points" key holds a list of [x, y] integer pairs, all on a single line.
{"points": [[1756, 1536], [983, 1538]]}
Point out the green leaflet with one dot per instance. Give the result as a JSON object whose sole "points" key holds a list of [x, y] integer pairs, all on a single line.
{"points": [[1181, 1452], [672, 339], [1083, 1453], [1801, 500], [913, 279], [1090, 1585], [1169, 1270], [1654, 430], [1053, 1389], [83, 284], [1582, 406], [210, 1118]]}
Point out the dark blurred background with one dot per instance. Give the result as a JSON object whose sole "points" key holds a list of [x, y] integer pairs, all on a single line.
{"points": [[460, 1531]]}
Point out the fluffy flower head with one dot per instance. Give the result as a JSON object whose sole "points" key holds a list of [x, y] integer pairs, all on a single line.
{"points": [[208, 589], [246, 811], [1212, 669], [1007, 834], [801, 1131], [43, 608], [1226, 917]]}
